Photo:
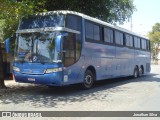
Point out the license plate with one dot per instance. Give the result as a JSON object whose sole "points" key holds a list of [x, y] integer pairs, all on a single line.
{"points": [[31, 79]]}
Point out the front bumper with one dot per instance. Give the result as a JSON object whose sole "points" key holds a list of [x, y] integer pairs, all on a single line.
{"points": [[53, 79]]}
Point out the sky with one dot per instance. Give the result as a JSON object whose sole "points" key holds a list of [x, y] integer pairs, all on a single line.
{"points": [[145, 17]]}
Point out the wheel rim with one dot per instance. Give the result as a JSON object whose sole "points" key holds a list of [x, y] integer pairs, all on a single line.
{"points": [[88, 81], [135, 73], [140, 72]]}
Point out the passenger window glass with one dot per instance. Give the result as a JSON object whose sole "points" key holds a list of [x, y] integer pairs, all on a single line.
{"points": [[69, 47], [148, 45], [129, 40], [92, 31], [137, 42], [96, 32], [89, 31], [72, 45], [108, 35], [143, 44], [78, 46], [119, 38], [74, 22]]}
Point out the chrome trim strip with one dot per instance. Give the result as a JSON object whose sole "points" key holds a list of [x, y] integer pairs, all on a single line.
{"points": [[47, 29], [30, 30], [60, 29]]}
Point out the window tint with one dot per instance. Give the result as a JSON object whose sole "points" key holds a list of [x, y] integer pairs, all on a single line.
{"points": [[148, 45], [92, 31], [108, 35], [69, 47], [129, 40], [96, 33], [137, 42], [72, 45], [144, 45], [74, 22], [78, 46], [55, 20], [119, 38], [89, 30]]}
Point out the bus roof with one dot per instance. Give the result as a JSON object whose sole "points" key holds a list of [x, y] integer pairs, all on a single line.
{"points": [[90, 19]]}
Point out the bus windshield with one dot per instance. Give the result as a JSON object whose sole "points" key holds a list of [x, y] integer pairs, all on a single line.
{"points": [[56, 20], [37, 47]]}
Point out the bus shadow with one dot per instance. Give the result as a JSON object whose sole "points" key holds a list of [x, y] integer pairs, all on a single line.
{"points": [[42, 96]]}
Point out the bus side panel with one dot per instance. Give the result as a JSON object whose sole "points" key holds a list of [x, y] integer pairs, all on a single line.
{"points": [[102, 57], [73, 73], [124, 61]]}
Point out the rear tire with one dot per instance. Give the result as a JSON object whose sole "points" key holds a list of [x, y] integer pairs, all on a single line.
{"points": [[141, 71], [136, 73], [88, 80]]}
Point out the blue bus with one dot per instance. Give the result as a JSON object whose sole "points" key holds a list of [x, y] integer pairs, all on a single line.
{"points": [[60, 48]]}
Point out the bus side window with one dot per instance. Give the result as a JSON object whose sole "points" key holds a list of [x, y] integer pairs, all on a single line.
{"points": [[74, 22], [118, 38], [137, 42], [129, 41], [144, 46], [108, 35], [148, 45], [96, 32], [89, 30], [92, 31]]}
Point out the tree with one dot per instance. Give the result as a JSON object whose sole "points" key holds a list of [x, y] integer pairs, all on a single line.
{"points": [[111, 11], [154, 36]]}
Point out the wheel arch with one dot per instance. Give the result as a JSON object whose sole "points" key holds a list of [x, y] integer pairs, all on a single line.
{"points": [[93, 70]]}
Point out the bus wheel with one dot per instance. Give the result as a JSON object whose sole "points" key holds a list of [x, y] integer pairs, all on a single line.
{"points": [[88, 80], [136, 73], [140, 71]]}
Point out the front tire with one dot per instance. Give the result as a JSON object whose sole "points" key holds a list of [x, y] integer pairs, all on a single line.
{"points": [[88, 80]]}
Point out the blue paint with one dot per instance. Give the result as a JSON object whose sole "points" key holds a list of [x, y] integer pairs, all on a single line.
{"points": [[108, 61], [37, 71]]}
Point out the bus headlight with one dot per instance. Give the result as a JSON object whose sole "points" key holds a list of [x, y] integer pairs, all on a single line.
{"points": [[16, 69], [53, 70]]}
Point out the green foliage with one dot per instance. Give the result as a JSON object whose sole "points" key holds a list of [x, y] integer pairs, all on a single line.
{"points": [[11, 12], [108, 10], [154, 36], [1, 29]]}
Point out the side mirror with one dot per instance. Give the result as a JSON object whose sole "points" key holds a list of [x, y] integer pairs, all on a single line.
{"points": [[58, 43], [7, 45]]}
